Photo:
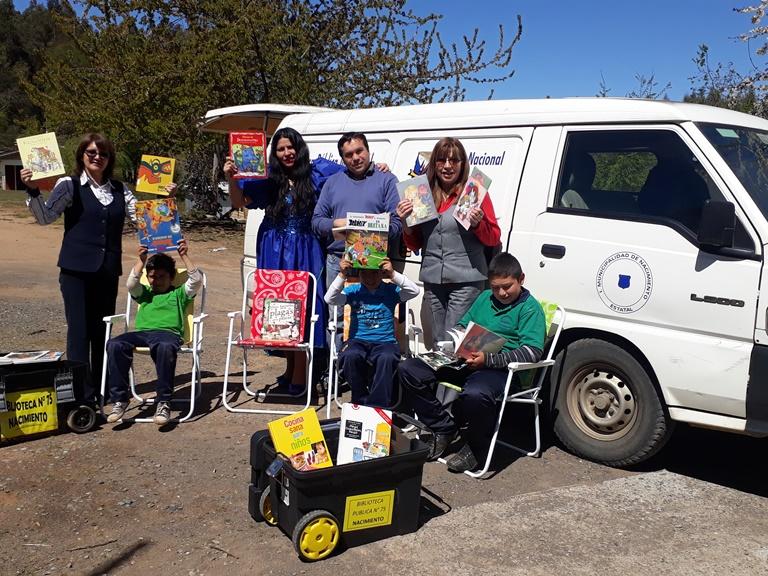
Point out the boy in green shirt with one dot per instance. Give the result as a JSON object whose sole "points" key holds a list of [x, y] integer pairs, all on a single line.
{"points": [[159, 327], [507, 309]]}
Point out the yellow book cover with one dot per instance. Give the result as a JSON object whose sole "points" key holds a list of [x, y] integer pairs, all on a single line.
{"points": [[155, 173], [41, 154], [300, 438]]}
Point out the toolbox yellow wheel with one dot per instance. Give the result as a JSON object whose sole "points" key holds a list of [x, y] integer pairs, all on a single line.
{"points": [[316, 535], [265, 507]]}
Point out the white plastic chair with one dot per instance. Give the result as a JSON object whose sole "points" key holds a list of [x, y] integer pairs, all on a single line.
{"points": [[193, 345], [290, 284], [555, 315]]}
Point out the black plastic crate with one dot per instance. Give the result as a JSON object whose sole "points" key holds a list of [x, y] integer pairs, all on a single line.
{"points": [[341, 506], [66, 377]]}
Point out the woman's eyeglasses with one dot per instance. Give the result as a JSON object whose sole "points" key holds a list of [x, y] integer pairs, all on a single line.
{"points": [[93, 153], [444, 161]]}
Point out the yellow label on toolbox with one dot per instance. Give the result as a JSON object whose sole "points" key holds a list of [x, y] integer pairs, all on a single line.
{"points": [[368, 510], [29, 412]]}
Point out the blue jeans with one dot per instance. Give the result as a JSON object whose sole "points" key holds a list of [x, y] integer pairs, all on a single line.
{"points": [[163, 347], [476, 408], [358, 358]]}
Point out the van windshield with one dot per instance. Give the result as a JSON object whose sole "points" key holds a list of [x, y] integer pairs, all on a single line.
{"points": [[745, 150]]}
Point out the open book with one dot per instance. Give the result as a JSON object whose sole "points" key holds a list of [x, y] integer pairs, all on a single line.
{"points": [[475, 338]]}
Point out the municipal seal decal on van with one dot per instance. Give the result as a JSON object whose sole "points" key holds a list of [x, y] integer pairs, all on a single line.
{"points": [[624, 282]]}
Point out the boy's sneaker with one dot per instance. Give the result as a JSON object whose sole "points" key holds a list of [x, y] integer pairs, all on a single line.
{"points": [[118, 411], [163, 413]]}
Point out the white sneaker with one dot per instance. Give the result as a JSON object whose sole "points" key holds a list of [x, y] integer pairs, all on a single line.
{"points": [[162, 413], [118, 411]]}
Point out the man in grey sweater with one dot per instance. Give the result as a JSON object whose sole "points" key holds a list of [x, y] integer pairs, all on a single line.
{"points": [[359, 188]]}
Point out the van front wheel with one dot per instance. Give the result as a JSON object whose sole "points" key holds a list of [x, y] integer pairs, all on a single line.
{"points": [[607, 408]]}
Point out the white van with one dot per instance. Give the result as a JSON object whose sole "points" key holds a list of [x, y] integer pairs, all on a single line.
{"points": [[646, 220]]}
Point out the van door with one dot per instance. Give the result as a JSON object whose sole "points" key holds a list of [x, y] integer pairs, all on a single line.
{"points": [[615, 242]]}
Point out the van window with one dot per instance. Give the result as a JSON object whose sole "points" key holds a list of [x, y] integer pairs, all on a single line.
{"points": [[645, 174]]}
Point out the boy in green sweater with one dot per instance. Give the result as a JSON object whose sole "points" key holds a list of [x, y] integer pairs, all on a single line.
{"points": [[159, 327], [507, 309]]}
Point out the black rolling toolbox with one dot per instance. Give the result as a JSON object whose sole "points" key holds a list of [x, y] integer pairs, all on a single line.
{"points": [[42, 397], [348, 505]]}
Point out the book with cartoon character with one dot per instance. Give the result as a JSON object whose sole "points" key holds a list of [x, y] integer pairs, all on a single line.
{"points": [[417, 191], [471, 197], [300, 438], [157, 223], [367, 239], [248, 152], [281, 320], [155, 173], [41, 154]]}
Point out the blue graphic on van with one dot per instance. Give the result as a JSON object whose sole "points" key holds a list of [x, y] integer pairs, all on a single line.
{"points": [[420, 165], [624, 281]]}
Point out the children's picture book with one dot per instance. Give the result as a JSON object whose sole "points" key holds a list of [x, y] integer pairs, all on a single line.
{"points": [[249, 153], [479, 339], [158, 224], [41, 154], [30, 356], [365, 433], [472, 195], [300, 438], [417, 191], [367, 239], [281, 320], [155, 173]]}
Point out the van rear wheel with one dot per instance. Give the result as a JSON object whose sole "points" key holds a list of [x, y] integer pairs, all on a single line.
{"points": [[606, 407]]}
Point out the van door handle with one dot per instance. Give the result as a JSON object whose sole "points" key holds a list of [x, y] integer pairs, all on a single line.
{"points": [[552, 250]]}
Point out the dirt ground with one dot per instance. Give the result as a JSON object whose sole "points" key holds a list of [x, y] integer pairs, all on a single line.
{"points": [[133, 499]]}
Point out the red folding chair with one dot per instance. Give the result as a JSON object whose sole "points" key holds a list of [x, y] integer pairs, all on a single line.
{"points": [[271, 285]]}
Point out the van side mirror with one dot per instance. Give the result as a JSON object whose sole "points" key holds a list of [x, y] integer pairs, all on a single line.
{"points": [[717, 224]]}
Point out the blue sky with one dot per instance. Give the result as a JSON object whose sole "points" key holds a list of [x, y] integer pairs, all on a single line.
{"points": [[568, 44]]}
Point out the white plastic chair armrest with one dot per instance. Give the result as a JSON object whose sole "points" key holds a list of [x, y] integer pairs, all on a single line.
{"points": [[233, 314], [111, 319], [518, 366], [199, 318]]}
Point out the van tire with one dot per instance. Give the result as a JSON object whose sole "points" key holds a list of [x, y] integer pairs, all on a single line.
{"points": [[606, 408]]}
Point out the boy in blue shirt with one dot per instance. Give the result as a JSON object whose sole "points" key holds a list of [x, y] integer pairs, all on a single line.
{"points": [[372, 329]]}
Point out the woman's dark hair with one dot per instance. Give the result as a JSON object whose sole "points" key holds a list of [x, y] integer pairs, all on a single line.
{"points": [[104, 144], [504, 264], [447, 148], [161, 261], [304, 198]]}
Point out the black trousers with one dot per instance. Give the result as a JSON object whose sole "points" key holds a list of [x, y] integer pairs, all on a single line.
{"points": [[475, 410], [88, 297]]}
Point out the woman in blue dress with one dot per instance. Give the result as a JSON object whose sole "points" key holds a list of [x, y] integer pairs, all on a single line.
{"points": [[285, 240]]}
